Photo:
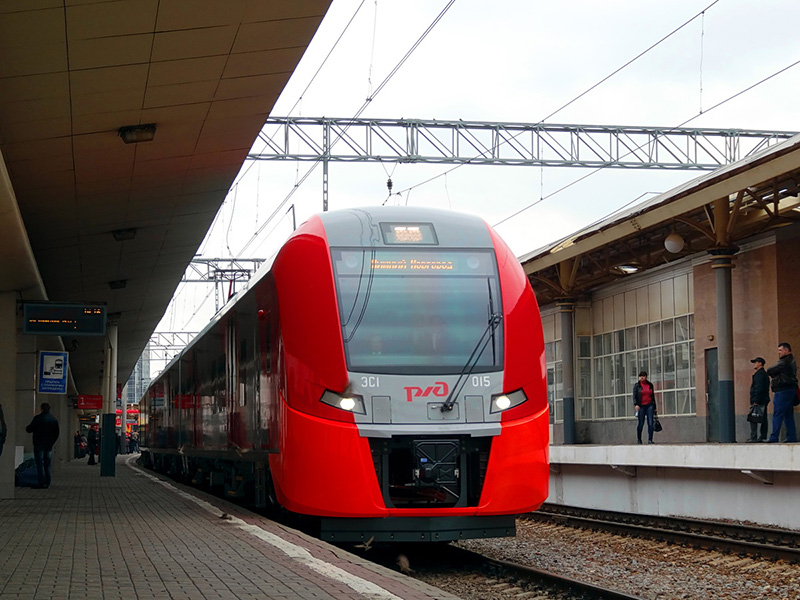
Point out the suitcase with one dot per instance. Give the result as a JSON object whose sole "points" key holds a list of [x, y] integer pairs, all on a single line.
{"points": [[26, 474]]}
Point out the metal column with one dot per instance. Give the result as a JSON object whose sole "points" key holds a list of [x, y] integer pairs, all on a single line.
{"points": [[722, 263], [326, 143], [8, 396], [108, 439], [567, 309]]}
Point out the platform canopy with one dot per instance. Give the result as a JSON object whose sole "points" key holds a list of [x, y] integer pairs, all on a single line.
{"points": [[100, 220], [716, 210]]}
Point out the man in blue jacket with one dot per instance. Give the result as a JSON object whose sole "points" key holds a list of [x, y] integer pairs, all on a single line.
{"points": [[784, 385], [44, 428]]}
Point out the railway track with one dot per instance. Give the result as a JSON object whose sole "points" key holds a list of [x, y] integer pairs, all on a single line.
{"points": [[734, 538], [471, 574]]}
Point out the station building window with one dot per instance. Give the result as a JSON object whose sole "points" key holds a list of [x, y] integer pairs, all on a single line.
{"points": [[555, 379], [647, 324], [665, 349]]}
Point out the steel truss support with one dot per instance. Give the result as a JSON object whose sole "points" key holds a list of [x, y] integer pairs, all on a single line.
{"points": [[532, 144], [221, 271]]}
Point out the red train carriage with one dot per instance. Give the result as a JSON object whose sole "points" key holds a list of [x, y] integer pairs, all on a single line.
{"points": [[384, 374]]}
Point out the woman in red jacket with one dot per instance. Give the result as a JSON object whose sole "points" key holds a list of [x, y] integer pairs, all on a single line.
{"points": [[644, 398]]}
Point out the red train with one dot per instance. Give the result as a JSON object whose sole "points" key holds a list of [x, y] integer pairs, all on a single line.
{"points": [[384, 374]]}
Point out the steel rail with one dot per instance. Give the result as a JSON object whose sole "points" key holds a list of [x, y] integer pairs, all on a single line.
{"points": [[582, 588], [709, 535]]}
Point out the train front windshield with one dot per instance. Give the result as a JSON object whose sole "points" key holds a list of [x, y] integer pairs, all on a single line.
{"points": [[419, 311]]}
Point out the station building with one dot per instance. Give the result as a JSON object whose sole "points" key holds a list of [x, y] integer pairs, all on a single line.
{"points": [[689, 286]]}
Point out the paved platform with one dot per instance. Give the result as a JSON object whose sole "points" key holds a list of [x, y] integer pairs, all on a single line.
{"points": [[761, 457], [140, 536], [757, 483]]}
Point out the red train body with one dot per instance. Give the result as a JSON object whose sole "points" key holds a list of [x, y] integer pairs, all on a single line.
{"points": [[384, 374]]}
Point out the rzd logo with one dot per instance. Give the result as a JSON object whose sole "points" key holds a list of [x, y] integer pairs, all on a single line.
{"points": [[438, 389]]}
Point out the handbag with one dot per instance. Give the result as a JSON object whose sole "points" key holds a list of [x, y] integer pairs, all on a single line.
{"points": [[796, 396], [656, 424], [756, 414]]}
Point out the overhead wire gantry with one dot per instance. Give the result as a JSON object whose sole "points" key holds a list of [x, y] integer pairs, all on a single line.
{"points": [[530, 144]]}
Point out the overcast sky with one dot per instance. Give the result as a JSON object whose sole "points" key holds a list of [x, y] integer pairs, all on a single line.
{"points": [[513, 61]]}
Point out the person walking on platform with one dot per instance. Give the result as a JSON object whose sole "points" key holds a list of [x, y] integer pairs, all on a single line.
{"points": [[644, 399], [44, 428], [134, 442], [77, 444], [92, 439], [784, 386], [759, 396]]}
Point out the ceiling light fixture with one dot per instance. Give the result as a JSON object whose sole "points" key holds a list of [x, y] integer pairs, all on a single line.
{"points": [[673, 243], [628, 269], [133, 134], [124, 234], [118, 284]]}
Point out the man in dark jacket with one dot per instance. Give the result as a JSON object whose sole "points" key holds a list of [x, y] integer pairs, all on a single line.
{"points": [[784, 385], [93, 439], [759, 396], [44, 428]]}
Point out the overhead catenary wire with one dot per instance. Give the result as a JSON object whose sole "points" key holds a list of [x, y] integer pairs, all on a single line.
{"points": [[296, 103], [364, 106], [313, 78], [235, 185], [666, 131], [578, 97]]}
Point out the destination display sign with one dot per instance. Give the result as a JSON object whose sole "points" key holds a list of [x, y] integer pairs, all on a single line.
{"points": [[52, 318], [414, 262], [408, 233]]}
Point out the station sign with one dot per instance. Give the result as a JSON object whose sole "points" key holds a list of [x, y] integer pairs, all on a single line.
{"points": [[52, 373], [90, 401], [53, 318]]}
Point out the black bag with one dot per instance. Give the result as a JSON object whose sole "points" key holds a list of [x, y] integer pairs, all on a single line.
{"points": [[756, 414], [26, 475], [656, 424]]}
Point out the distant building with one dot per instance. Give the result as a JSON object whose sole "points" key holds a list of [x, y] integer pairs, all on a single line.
{"points": [[139, 380]]}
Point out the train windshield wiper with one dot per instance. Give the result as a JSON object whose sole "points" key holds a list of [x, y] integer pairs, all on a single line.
{"points": [[477, 351]]}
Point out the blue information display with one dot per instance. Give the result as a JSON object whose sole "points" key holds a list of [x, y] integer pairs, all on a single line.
{"points": [[52, 373]]}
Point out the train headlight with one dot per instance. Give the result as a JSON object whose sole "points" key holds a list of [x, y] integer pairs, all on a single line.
{"points": [[501, 402], [348, 402]]}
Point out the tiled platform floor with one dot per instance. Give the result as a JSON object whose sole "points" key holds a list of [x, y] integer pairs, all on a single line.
{"points": [[137, 536]]}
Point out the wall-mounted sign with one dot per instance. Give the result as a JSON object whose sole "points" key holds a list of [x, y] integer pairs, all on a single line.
{"points": [[52, 373], [90, 401], [52, 318]]}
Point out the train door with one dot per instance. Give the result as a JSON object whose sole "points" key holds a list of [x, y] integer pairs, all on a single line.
{"points": [[264, 391], [712, 396], [237, 432]]}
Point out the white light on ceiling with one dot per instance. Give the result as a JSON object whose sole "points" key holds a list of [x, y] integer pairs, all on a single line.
{"points": [[673, 243]]}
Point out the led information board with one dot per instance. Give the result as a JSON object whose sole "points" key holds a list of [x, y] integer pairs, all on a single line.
{"points": [[52, 318]]}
